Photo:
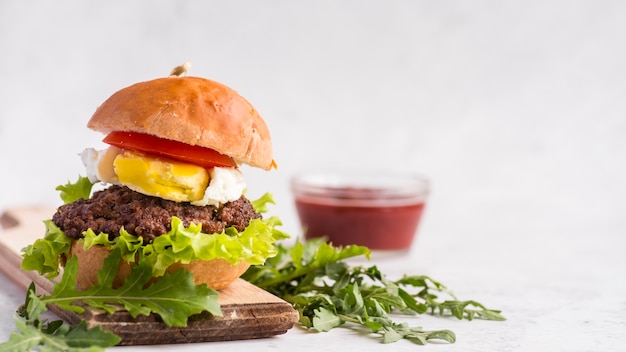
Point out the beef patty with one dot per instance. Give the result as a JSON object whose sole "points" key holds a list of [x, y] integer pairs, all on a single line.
{"points": [[145, 216]]}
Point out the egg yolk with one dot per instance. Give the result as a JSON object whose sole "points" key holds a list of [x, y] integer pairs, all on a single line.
{"points": [[168, 179]]}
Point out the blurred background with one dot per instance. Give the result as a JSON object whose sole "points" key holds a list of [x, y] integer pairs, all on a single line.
{"points": [[515, 110], [510, 108]]}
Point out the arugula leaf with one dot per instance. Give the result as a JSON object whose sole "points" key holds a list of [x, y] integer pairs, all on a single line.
{"points": [[329, 293], [174, 297], [325, 319], [27, 338], [460, 309], [302, 260], [71, 192], [32, 332], [393, 332]]}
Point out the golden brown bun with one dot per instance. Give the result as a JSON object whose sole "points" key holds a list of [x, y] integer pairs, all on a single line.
{"points": [[191, 110], [216, 273]]}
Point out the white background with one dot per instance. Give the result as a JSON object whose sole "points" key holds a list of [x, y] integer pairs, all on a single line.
{"points": [[515, 110]]}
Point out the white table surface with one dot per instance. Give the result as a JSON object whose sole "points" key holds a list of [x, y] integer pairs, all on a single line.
{"points": [[560, 291], [515, 110]]}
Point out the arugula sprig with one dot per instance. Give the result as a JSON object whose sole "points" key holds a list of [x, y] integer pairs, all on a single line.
{"points": [[468, 309], [329, 293], [36, 333], [174, 297]]}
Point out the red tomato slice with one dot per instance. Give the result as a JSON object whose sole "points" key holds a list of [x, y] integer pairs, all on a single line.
{"points": [[193, 154]]}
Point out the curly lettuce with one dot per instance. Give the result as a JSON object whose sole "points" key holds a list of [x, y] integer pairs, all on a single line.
{"points": [[185, 244], [71, 192], [47, 253], [181, 244]]}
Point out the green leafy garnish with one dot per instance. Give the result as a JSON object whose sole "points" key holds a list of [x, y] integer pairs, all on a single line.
{"points": [[174, 297], [329, 293], [261, 204], [33, 332], [46, 253], [71, 192], [313, 276], [460, 309]]}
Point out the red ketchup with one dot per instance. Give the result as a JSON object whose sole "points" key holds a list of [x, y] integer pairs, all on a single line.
{"points": [[381, 213]]}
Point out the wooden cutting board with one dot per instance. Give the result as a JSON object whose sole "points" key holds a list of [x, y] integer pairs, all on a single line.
{"points": [[248, 311]]}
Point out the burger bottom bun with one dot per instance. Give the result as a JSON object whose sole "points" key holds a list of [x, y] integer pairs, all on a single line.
{"points": [[216, 273]]}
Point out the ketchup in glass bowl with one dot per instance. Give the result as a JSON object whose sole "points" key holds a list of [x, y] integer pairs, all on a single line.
{"points": [[379, 210]]}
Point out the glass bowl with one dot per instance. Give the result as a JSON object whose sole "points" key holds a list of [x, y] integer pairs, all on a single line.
{"points": [[379, 210]]}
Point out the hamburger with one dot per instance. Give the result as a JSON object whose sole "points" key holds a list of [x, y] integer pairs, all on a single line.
{"points": [[168, 189]]}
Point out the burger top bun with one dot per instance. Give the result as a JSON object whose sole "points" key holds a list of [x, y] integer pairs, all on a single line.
{"points": [[191, 110]]}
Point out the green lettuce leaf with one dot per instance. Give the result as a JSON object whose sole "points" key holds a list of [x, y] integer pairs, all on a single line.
{"points": [[261, 204], [71, 192], [46, 253], [185, 244]]}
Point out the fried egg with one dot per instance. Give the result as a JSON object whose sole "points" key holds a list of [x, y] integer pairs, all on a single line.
{"points": [[164, 178]]}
